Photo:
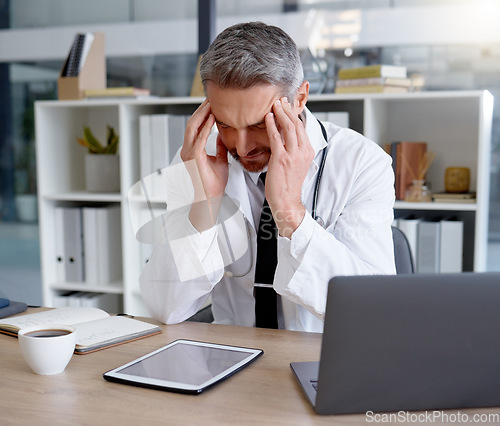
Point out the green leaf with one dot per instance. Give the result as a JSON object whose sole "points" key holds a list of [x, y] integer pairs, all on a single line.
{"points": [[92, 143], [112, 140]]}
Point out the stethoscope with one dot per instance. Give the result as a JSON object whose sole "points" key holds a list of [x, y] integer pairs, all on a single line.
{"points": [[314, 213]]}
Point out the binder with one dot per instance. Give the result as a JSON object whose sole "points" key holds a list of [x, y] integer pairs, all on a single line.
{"points": [[161, 136], [176, 127], [61, 300], [59, 245], [90, 238], [73, 244], [75, 299], [339, 118], [84, 68], [428, 251], [409, 226], [102, 244], [108, 302], [451, 249], [145, 143], [160, 152]]}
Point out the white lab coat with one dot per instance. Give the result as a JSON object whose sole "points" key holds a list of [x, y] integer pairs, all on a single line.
{"points": [[355, 204]]}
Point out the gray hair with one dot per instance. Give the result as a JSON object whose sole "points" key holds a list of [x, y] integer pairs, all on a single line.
{"points": [[248, 54]]}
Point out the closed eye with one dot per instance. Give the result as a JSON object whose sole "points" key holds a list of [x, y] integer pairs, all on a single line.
{"points": [[259, 126], [222, 126]]}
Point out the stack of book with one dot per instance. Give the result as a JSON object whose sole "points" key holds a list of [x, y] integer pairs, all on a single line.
{"points": [[373, 79], [449, 197], [116, 92]]}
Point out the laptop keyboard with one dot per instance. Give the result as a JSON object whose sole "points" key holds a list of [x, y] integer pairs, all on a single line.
{"points": [[314, 384]]}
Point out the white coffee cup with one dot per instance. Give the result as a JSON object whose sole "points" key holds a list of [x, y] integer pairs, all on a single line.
{"points": [[47, 348]]}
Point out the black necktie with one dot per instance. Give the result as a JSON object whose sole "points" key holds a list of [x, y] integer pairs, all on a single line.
{"points": [[266, 315]]}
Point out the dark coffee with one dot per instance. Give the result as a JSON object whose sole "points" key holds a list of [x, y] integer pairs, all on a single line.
{"points": [[48, 333]]}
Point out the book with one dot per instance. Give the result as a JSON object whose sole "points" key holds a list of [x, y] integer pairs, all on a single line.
{"points": [[96, 329], [449, 197], [74, 58], [393, 71], [375, 88], [409, 160], [375, 81], [77, 54], [114, 92]]}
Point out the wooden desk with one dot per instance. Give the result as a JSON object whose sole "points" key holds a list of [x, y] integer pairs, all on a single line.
{"points": [[265, 392]]}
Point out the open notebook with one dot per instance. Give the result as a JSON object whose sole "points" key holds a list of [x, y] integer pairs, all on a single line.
{"points": [[96, 329]]}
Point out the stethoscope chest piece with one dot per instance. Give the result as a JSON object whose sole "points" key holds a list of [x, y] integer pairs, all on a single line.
{"points": [[320, 221]]}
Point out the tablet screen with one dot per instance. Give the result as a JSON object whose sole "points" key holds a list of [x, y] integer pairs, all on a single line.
{"points": [[184, 365]]}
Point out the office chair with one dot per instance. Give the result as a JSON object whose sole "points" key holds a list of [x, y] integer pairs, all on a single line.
{"points": [[402, 252]]}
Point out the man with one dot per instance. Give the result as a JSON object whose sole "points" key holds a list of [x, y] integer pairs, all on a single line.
{"points": [[256, 96]]}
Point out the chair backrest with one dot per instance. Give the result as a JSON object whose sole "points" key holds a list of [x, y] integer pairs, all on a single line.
{"points": [[402, 252]]}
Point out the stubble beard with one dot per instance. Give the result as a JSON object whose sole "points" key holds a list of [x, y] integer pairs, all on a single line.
{"points": [[252, 166]]}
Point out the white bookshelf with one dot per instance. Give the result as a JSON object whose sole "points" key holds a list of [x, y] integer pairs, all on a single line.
{"points": [[456, 125]]}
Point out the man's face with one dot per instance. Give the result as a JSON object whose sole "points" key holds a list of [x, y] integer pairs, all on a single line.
{"points": [[239, 114]]}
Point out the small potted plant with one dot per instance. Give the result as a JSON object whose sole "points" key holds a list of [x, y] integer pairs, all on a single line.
{"points": [[102, 163]]}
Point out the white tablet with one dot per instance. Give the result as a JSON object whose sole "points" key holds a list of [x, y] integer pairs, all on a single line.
{"points": [[184, 366]]}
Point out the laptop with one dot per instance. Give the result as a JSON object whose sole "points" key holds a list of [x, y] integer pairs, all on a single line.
{"points": [[407, 342]]}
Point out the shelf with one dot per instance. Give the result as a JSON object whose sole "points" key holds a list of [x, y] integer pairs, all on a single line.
{"points": [[115, 288], [142, 199], [84, 196], [404, 205]]}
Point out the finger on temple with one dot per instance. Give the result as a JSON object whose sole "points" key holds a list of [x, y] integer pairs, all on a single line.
{"points": [[273, 133]]}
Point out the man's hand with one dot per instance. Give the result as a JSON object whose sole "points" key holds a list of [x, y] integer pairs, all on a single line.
{"points": [[291, 157], [208, 173]]}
